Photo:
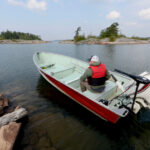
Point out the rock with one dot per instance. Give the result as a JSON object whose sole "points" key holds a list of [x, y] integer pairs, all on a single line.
{"points": [[8, 135], [9, 110], [12, 117], [1, 111], [34, 139], [6, 102], [106, 41], [22, 41], [1, 102], [43, 143], [52, 148], [18, 107], [28, 148]]}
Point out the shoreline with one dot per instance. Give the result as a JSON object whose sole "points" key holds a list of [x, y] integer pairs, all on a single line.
{"points": [[120, 41], [23, 42]]}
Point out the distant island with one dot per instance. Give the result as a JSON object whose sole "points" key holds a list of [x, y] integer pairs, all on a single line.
{"points": [[109, 36], [13, 37]]}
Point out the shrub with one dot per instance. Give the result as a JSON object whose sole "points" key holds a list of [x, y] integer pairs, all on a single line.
{"points": [[91, 36], [112, 39], [79, 38]]}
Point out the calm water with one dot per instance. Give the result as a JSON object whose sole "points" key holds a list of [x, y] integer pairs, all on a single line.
{"points": [[55, 121]]}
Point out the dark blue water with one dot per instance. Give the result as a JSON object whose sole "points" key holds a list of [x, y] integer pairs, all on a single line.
{"points": [[55, 121]]}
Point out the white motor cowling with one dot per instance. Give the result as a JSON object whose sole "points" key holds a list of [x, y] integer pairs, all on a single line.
{"points": [[139, 103]]}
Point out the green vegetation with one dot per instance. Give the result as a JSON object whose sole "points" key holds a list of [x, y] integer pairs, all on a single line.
{"points": [[91, 36], [112, 33], [9, 35], [139, 38], [78, 37]]}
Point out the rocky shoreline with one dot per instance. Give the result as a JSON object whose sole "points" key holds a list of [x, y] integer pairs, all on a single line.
{"points": [[10, 123], [107, 42], [23, 41]]}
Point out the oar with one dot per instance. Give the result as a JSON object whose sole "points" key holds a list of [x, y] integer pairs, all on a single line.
{"points": [[118, 83]]}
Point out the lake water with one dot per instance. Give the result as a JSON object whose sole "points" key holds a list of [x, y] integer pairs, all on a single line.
{"points": [[55, 122]]}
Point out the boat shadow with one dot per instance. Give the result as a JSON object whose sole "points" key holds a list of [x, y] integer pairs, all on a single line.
{"points": [[127, 126]]}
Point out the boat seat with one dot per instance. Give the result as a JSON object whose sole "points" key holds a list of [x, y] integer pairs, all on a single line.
{"points": [[110, 88], [61, 69], [71, 78], [58, 69]]}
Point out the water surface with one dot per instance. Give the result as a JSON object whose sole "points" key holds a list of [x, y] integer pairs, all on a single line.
{"points": [[55, 121]]}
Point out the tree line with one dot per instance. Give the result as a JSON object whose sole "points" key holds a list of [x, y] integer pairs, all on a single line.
{"points": [[13, 35], [112, 33]]}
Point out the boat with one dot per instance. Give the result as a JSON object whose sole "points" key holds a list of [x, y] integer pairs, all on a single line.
{"points": [[116, 101]]}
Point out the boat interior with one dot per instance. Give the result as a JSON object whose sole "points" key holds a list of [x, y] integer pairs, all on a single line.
{"points": [[69, 70]]}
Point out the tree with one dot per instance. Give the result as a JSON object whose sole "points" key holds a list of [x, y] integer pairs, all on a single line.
{"points": [[110, 32], [78, 37], [77, 31]]}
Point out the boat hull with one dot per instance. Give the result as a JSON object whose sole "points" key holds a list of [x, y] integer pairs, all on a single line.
{"points": [[95, 108]]}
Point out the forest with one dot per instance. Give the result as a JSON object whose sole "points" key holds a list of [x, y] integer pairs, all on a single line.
{"points": [[13, 35]]}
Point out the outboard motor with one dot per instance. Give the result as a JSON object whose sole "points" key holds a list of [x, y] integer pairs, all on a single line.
{"points": [[138, 102]]}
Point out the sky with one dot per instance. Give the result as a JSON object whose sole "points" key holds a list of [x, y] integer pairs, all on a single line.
{"points": [[58, 19]]}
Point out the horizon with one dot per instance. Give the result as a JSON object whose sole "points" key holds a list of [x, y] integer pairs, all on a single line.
{"points": [[58, 19]]}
